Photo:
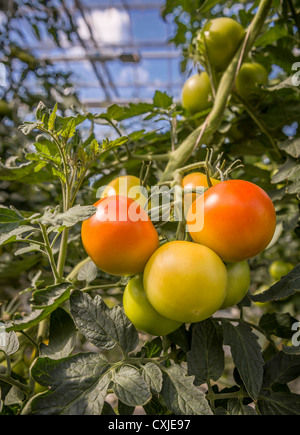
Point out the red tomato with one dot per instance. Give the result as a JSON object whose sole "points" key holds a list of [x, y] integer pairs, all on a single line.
{"points": [[239, 220], [119, 238]]}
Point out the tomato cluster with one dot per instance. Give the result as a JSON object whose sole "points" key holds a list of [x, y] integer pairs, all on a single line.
{"points": [[218, 42], [182, 281]]}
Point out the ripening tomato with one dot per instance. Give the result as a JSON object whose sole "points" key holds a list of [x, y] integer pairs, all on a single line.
{"points": [[197, 179], [130, 186], [239, 220], [222, 37], [185, 282], [141, 313], [239, 280], [197, 93], [119, 238], [249, 77]]}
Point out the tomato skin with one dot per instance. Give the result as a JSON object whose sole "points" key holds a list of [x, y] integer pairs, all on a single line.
{"points": [[141, 313], [197, 179], [118, 245], [185, 282], [278, 269], [239, 220], [249, 76], [239, 280], [197, 93], [127, 185], [222, 37]]}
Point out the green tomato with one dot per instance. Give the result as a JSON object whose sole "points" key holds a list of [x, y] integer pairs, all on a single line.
{"points": [[278, 269], [141, 313], [221, 38], [197, 93], [239, 280], [249, 77]]}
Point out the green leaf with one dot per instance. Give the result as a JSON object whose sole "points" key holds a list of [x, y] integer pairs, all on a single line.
{"points": [[281, 369], [272, 35], [246, 354], [130, 386], [153, 377], [291, 147], [52, 117], [278, 403], [29, 320], [62, 336], [10, 219], [76, 214], [288, 171], [287, 286], [88, 272], [51, 296], [78, 385], [15, 234], [107, 144], [208, 5], [100, 325], [277, 324], [235, 407], [180, 394], [9, 342], [206, 358], [162, 100], [69, 131]]}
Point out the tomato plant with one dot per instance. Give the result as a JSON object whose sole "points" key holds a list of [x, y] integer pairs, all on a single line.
{"points": [[131, 315], [141, 313]]}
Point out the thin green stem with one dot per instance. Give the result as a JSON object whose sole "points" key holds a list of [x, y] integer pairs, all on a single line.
{"points": [[75, 271], [103, 287], [50, 254], [63, 253]]}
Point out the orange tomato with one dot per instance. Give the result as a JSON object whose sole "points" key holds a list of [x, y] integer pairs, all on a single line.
{"points": [[239, 220], [119, 238]]}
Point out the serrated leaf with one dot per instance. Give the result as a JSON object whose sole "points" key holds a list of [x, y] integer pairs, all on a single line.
{"points": [[100, 325], [53, 295], [153, 377], [130, 386], [291, 147], [15, 234], [69, 131], [76, 214], [180, 394], [62, 336], [78, 385], [278, 403], [206, 358], [246, 354], [287, 286], [281, 369]]}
